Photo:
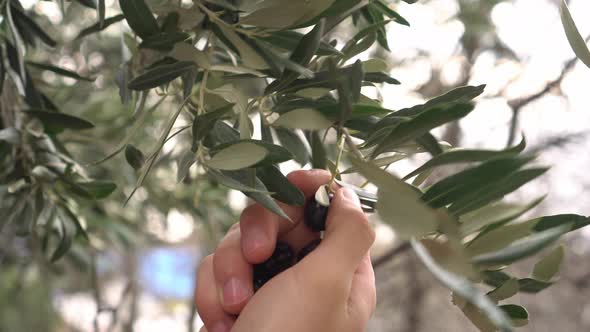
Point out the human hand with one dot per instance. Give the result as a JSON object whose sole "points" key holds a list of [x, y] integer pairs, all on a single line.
{"points": [[331, 289]]}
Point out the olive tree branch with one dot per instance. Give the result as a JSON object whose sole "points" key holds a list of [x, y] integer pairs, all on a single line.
{"points": [[95, 291], [517, 104], [351, 146], [115, 311]]}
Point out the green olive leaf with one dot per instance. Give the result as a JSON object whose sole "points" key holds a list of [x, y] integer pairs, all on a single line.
{"points": [[238, 156], [573, 35], [547, 268], [139, 17]]}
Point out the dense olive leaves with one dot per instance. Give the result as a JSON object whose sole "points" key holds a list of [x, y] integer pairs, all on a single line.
{"points": [[257, 85]]}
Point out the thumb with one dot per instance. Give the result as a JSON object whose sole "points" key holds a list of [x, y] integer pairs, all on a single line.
{"points": [[348, 235]]}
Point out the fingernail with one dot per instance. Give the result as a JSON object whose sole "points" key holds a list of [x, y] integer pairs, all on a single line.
{"points": [[257, 238], [234, 292], [351, 196], [220, 327]]}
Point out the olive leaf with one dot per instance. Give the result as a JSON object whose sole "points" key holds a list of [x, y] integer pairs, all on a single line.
{"points": [[26, 25], [505, 291], [289, 39], [518, 314], [203, 123], [573, 35], [292, 142], [420, 125], [301, 55], [303, 118], [237, 156], [97, 27], [466, 155], [57, 122], [398, 204], [547, 268], [249, 55], [274, 153], [164, 41], [384, 8], [59, 71], [160, 75], [465, 289], [242, 180], [494, 215], [283, 190], [469, 181], [522, 248], [139, 17]]}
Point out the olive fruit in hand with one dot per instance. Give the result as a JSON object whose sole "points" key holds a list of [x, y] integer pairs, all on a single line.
{"points": [[282, 258], [307, 249], [316, 210]]}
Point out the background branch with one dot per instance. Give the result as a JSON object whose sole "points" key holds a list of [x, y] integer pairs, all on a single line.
{"points": [[517, 104], [391, 254]]}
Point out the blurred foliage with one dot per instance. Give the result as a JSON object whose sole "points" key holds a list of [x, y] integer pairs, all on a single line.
{"points": [[88, 107], [24, 292]]}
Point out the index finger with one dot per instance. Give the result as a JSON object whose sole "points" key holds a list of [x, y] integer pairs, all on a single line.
{"points": [[260, 228]]}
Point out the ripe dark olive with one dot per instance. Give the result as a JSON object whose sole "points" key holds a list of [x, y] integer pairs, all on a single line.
{"points": [[307, 249], [230, 17], [282, 258], [315, 215]]}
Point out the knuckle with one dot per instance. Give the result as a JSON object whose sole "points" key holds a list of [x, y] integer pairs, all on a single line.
{"points": [[228, 242], [368, 232], [249, 211], [363, 226], [359, 221], [205, 263], [222, 254]]}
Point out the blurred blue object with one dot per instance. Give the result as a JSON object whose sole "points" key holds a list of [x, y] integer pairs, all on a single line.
{"points": [[169, 271]]}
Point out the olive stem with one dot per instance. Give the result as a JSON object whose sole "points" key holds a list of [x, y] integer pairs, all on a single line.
{"points": [[341, 140], [351, 144]]}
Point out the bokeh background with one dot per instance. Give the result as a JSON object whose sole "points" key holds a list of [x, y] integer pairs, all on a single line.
{"points": [[141, 275]]}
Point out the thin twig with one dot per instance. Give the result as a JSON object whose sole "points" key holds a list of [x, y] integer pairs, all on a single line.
{"points": [[116, 309], [95, 291], [128, 326], [336, 172], [351, 144], [518, 104]]}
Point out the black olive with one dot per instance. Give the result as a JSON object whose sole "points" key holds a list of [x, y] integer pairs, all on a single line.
{"points": [[282, 258], [230, 17], [315, 215], [307, 249]]}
